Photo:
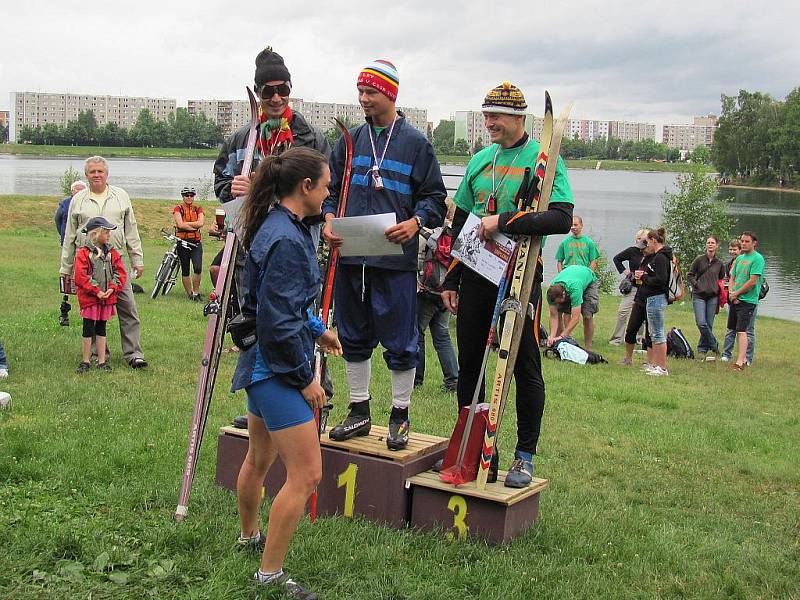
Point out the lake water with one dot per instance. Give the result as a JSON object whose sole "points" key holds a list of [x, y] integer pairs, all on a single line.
{"points": [[613, 205]]}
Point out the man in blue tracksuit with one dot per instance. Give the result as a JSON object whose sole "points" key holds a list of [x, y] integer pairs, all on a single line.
{"points": [[394, 170]]}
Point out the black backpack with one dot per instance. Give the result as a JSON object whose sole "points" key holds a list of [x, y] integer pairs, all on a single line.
{"points": [[677, 344]]}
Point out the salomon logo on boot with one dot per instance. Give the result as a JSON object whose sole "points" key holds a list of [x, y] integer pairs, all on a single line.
{"points": [[356, 423]]}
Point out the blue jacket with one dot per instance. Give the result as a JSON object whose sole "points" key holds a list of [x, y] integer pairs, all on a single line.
{"points": [[61, 217], [412, 186], [281, 281]]}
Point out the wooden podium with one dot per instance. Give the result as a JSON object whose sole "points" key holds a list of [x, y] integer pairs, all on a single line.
{"points": [[498, 514], [362, 477], [359, 477]]}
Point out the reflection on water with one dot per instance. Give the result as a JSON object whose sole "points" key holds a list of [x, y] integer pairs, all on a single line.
{"points": [[613, 204]]}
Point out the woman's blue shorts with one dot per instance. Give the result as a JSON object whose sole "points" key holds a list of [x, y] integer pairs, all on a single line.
{"points": [[280, 405]]}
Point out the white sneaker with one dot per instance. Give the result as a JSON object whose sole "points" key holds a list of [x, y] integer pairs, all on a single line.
{"points": [[3, 373], [647, 367], [725, 359], [615, 342], [658, 372], [711, 358]]}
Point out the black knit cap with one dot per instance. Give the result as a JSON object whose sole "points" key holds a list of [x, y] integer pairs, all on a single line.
{"points": [[270, 67]]}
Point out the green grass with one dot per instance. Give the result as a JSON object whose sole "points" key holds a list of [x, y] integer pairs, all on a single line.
{"points": [[682, 487], [108, 151]]}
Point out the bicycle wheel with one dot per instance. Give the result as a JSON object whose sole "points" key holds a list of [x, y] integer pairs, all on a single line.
{"points": [[161, 276], [173, 274]]}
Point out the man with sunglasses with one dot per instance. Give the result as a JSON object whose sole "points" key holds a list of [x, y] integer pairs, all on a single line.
{"points": [[280, 128]]}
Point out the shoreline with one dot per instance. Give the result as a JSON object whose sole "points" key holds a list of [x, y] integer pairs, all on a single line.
{"points": [[734, 186]]}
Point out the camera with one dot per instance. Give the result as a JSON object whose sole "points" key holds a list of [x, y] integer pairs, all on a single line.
{"points": [[63, 319]]}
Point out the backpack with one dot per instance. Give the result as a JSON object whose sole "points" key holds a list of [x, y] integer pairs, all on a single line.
{"points": [[763, 290], [436, 260], [677, 344], [675, 289]]}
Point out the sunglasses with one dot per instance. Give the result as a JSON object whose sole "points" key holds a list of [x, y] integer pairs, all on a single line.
{"points": [[268, 91]]}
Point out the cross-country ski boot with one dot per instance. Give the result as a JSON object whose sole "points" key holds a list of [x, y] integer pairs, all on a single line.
{"points": [[399, 428], [356, 423], [520, 474]]}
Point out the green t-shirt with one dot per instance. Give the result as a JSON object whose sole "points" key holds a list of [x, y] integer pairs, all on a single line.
{"points": [[577, 251], [476, 186], [575, 279], [744, 267]]}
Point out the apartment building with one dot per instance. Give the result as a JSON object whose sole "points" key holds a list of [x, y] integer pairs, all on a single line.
{"points": [[688, 137], [627, 131], [230, 115], [36, 108]]}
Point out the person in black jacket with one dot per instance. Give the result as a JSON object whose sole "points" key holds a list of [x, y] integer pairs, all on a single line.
{"points": [[280, 128], [633, 255], [488, 191], [705, 275], [650, 303]]}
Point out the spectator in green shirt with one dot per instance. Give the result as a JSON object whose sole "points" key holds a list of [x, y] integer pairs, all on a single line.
{"points": [[577, 249], [574, 292], [745, 283]]}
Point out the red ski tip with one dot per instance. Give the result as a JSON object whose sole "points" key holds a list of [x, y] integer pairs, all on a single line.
{"points": [[455, 476], [212, 296]]}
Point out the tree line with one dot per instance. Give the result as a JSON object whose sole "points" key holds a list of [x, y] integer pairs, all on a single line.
{"points": [[758, 138], [180, 130]]}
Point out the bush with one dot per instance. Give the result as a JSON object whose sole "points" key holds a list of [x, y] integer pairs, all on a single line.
{"points": [[69, 177]]}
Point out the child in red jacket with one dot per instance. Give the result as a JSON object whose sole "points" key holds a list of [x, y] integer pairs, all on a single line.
{"points": [[99, 275]]}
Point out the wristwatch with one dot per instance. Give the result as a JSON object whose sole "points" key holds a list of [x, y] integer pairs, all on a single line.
{"points": [[418, 219]]}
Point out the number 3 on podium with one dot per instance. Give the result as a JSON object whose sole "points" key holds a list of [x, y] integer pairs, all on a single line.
{"points": [[347, 479], [458, 506]]}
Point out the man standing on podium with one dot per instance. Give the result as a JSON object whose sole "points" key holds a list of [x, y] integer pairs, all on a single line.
{"points": [[488, 189], [394, 170]]}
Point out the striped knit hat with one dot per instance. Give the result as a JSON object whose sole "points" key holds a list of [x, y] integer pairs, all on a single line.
{"points": [[505, 99], [381, 75]]}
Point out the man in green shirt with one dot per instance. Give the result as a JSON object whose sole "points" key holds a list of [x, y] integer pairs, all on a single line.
{"points": [[574, 292], [577, 249], [746, 275], [490, 183]]}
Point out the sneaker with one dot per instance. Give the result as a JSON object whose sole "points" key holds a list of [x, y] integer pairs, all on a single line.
{"points": [[647, 367], [615, 342], [240, 422], [399, 428], [255, 543], [520, 474], [749, 363], [138, 363], [104, 366], [292, 588], [83, 368], [657, 371], [711, 357], [357, 422], [449, 388], [724, 358], [3, 372]]}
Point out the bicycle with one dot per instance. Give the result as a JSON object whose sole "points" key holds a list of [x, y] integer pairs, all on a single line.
{"points": [[167, 271]]}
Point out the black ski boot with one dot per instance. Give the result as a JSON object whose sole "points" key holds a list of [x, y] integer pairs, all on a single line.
{"points": [[357, 422], [399, 428]]}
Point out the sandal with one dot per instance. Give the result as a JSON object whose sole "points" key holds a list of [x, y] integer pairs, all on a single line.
{"points": [[83, 368], [737, 367]]}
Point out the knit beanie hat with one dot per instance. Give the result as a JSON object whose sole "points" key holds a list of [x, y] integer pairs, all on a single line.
{"points": [[270, 67], [505, 99], [381, 75]]}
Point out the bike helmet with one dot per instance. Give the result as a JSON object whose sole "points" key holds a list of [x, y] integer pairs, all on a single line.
{"points": [[188, 191]]}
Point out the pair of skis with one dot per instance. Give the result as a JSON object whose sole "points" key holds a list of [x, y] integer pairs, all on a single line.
{"points": [[217, 313], [326, 307], [522, 279]]}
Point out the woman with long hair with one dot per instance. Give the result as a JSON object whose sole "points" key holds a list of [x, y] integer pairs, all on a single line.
{"points": [[281, 281], [650, 303], [634, 255]]}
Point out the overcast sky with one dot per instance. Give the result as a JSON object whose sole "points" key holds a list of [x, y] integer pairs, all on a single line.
{"points": [[652, 61]]}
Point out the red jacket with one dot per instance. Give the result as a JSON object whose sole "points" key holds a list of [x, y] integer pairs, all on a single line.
{"points": [[87, 285]]}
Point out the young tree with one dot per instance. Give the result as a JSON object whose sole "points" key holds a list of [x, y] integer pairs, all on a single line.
{"points": [[692, 214], [461, 147], [444, 137], [69, 177]]}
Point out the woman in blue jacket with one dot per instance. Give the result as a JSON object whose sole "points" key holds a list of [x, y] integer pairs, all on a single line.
{"points": [[281, 280]]}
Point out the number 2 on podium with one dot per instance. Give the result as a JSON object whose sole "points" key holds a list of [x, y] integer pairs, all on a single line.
{"points": [[347, 479]]}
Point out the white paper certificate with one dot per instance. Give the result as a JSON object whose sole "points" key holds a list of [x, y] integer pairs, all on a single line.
{"points": [[488, 258], [364, 236]]}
